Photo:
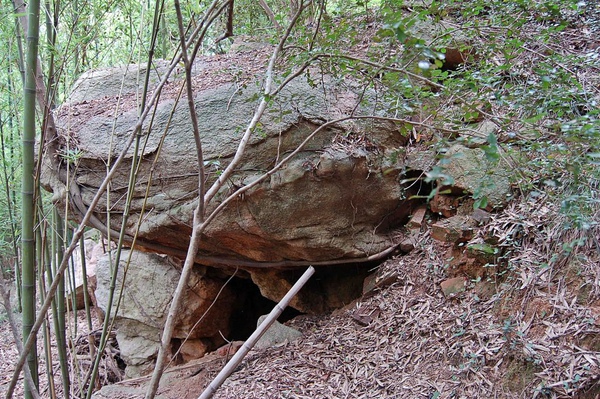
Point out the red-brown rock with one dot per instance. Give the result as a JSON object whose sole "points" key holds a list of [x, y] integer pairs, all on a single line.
{"points": [[453, 230]]}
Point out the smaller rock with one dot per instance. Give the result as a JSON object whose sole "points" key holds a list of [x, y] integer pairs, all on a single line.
{"points": [[229, 349], [407, 245], [452, 230], [453, 286], [365, 315], [138, 345], [76, 279], [193, 349], [276, 334], [419, 159], [479, 137], [466, 207], [417, 218], [378, 280], [480, 216], [461, 264], [243, 44], [474, 172], [484, 290]]}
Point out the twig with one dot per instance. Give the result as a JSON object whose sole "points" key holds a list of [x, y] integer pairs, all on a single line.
{"points": [[14, 329], [270, 14]]}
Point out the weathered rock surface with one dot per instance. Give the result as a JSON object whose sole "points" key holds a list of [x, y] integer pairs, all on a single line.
{"points": [[475, 174], [149, 282], [276, 334], [337, 199], [115, 81]]}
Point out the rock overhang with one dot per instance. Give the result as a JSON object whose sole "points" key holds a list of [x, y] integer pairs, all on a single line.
{"points": [[326, 204]]}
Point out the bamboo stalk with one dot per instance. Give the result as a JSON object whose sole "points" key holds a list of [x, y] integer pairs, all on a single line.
{"points": [[27, 193], [58, 250], [5, 297], [86, 294], [41, 253], [250, 342]]}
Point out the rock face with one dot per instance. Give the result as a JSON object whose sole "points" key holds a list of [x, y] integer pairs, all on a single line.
{"points": [[148, 282], [323, 205], [336, 201]]}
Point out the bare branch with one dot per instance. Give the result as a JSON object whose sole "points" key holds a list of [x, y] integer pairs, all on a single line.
{"points": [[198, 212], [270, 14], [15, 331]]}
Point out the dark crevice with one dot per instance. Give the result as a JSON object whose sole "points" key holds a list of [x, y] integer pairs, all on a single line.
{"points": [[250, 306], [326, 291], [416, 185]]}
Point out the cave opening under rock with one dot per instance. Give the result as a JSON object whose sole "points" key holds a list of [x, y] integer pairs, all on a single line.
{"points": [[330, 288], [250, 306]]}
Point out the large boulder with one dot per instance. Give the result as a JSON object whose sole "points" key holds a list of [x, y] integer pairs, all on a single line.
{"points": [[337, 200]]}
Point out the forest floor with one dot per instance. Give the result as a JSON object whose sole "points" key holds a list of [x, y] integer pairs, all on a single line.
{"points": [[528, 332]]}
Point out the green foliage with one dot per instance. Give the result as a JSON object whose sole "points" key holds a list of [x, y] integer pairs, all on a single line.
{"points": [[542, 92]]}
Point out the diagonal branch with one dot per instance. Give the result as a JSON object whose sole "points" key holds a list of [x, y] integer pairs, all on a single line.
{"points": [[198, 222]]}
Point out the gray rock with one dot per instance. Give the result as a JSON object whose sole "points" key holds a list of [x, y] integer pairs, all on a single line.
{"points": [[276, 334], [149, 282], [474, 173], [139, 344], [478, 137]]}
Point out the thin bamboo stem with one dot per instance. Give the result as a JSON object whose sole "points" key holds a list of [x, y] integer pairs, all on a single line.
{"points": [[61, 331], [15, 331], [41, 253], [86, 294]]}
